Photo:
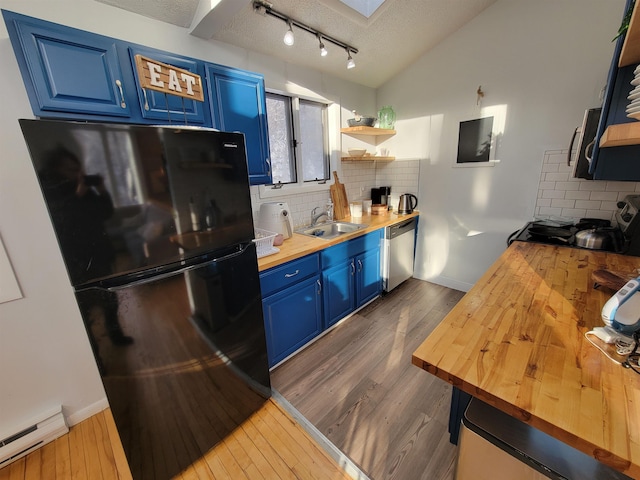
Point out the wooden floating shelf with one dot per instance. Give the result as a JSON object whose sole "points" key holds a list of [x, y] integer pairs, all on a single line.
{"points": [[630, 54], [368, 158], [621, 135], [367, 131]]}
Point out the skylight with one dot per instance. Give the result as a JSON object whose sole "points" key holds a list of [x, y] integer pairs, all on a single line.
{"points": [[364, 7]]}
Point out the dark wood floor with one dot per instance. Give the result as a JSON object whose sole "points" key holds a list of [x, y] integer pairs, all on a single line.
{"points": [[358, 387]]}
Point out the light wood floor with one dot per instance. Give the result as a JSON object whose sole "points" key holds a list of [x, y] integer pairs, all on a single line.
{"points": [[357, 386], [269, 445]]}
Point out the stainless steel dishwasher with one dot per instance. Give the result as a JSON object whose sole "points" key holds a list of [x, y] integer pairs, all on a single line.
{"points": [[397, 253]]}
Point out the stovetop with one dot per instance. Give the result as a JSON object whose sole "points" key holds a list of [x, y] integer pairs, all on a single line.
{"points": [[567, 237]]}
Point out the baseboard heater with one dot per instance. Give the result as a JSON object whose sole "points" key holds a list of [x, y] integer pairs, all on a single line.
{"points": [[32, 435]]}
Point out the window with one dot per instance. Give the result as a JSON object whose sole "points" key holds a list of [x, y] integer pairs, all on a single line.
{"points": [[298, 140]]}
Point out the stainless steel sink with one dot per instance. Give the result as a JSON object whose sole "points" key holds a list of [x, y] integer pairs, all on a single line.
{"points": [[330, 230]]}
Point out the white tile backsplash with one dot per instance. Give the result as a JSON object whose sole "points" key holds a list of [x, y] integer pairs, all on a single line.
{"points": [[358, 178], [559, 194]]}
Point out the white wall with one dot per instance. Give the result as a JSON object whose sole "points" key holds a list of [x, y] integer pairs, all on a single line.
{"points": [[543, 63], [45, 357]]}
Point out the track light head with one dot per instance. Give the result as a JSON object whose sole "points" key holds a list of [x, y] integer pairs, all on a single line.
{"points": [[350, 62], [266, 9], [323, 50], [288, 37]]}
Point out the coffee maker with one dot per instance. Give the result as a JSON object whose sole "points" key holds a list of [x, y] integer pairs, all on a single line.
{"points": [[380, 195]]}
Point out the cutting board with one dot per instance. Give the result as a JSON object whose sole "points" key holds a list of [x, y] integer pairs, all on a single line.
{"points": [[611, 280], [339, 199]]}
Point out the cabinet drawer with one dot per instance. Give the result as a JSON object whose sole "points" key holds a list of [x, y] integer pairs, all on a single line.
{"points": [[337, 254], [285, 275]]}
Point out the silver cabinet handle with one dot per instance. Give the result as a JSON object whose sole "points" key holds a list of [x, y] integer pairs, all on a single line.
{"points": [[289, 275], [146, 102], [587, 155], [353, 268], [123, 104], [319, 287], [359, 265], [268, 162]]}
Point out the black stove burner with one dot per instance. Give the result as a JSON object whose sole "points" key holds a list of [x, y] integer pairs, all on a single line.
{"points": [[542, 232], [536, 232]]}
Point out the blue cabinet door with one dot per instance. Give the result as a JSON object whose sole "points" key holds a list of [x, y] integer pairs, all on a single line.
{"points": [[292, 317], [238, 103], [339, 291], [368, 278], [616, 163], [68, 73], [159, 107]]}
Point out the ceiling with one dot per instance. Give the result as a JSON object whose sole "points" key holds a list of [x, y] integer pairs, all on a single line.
{"points": [[390, 39]]}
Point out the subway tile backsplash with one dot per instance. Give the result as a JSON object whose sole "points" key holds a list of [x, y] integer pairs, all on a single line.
{"points": [[561, 195], [358, 178]]}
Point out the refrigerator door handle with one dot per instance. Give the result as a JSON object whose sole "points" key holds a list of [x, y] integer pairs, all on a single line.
{"points": [[154, 277]]}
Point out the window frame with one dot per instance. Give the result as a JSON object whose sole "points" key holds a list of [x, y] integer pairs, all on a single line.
{"points": [[331, 122]]}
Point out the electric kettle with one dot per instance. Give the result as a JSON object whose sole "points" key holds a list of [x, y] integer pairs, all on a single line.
{"points": [[407, 203]]}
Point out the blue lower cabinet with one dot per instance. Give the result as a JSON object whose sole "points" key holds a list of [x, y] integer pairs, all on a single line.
{"points": [[368, 279], [292, 318], [339, 291], [292, 305], [300, 300], [350, 275]]}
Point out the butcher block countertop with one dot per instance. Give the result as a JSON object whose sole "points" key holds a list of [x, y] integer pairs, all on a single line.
{"points": [[516, 341], [300, 245]]}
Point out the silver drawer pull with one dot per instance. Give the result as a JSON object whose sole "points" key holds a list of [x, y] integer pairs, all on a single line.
{"points": [[289, 275]]}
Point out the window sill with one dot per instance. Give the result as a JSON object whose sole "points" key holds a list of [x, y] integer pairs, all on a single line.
{"points": [[267, 191]]}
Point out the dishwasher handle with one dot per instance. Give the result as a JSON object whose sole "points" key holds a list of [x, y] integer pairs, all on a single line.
{"points": [[399, 228]]}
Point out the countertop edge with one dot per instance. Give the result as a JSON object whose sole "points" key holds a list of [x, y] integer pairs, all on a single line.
{"points": [[605, 456], [299, 245]]}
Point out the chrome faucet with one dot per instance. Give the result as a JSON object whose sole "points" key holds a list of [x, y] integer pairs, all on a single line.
{"points": [[315, 216]]}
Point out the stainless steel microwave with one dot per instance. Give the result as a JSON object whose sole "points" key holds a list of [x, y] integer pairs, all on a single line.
{"points": [[581, 153]]}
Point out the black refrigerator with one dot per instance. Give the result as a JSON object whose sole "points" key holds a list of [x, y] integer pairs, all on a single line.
{"points": [[155, 228]]}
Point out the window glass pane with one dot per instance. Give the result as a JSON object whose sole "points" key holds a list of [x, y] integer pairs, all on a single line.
{"points": [[280, 138], [312, 141]]}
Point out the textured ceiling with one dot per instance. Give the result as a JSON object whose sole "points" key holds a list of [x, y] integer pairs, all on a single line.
{"points": [[397, 33]]}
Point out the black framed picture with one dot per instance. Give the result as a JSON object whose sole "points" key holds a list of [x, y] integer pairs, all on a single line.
{"points": [[474, 140]]}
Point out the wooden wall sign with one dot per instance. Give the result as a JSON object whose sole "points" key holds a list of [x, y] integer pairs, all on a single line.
{"points": [[165, 78]]}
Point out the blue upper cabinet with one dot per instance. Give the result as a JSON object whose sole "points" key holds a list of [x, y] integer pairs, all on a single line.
{"points": [[73, 74], [67, 72], [77, 75], [160, 107], [238, 104], [617, 147]]}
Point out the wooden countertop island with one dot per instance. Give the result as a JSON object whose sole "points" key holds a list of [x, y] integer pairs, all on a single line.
{"points": [[516, 341]]}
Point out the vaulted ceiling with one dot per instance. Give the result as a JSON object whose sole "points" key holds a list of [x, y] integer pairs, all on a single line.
{"points": [[394, 36]]}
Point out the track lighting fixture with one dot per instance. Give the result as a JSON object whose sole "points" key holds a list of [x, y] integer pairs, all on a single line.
{"points": [[350, 62], [323, 50], [266, 8], [288, 37]]}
